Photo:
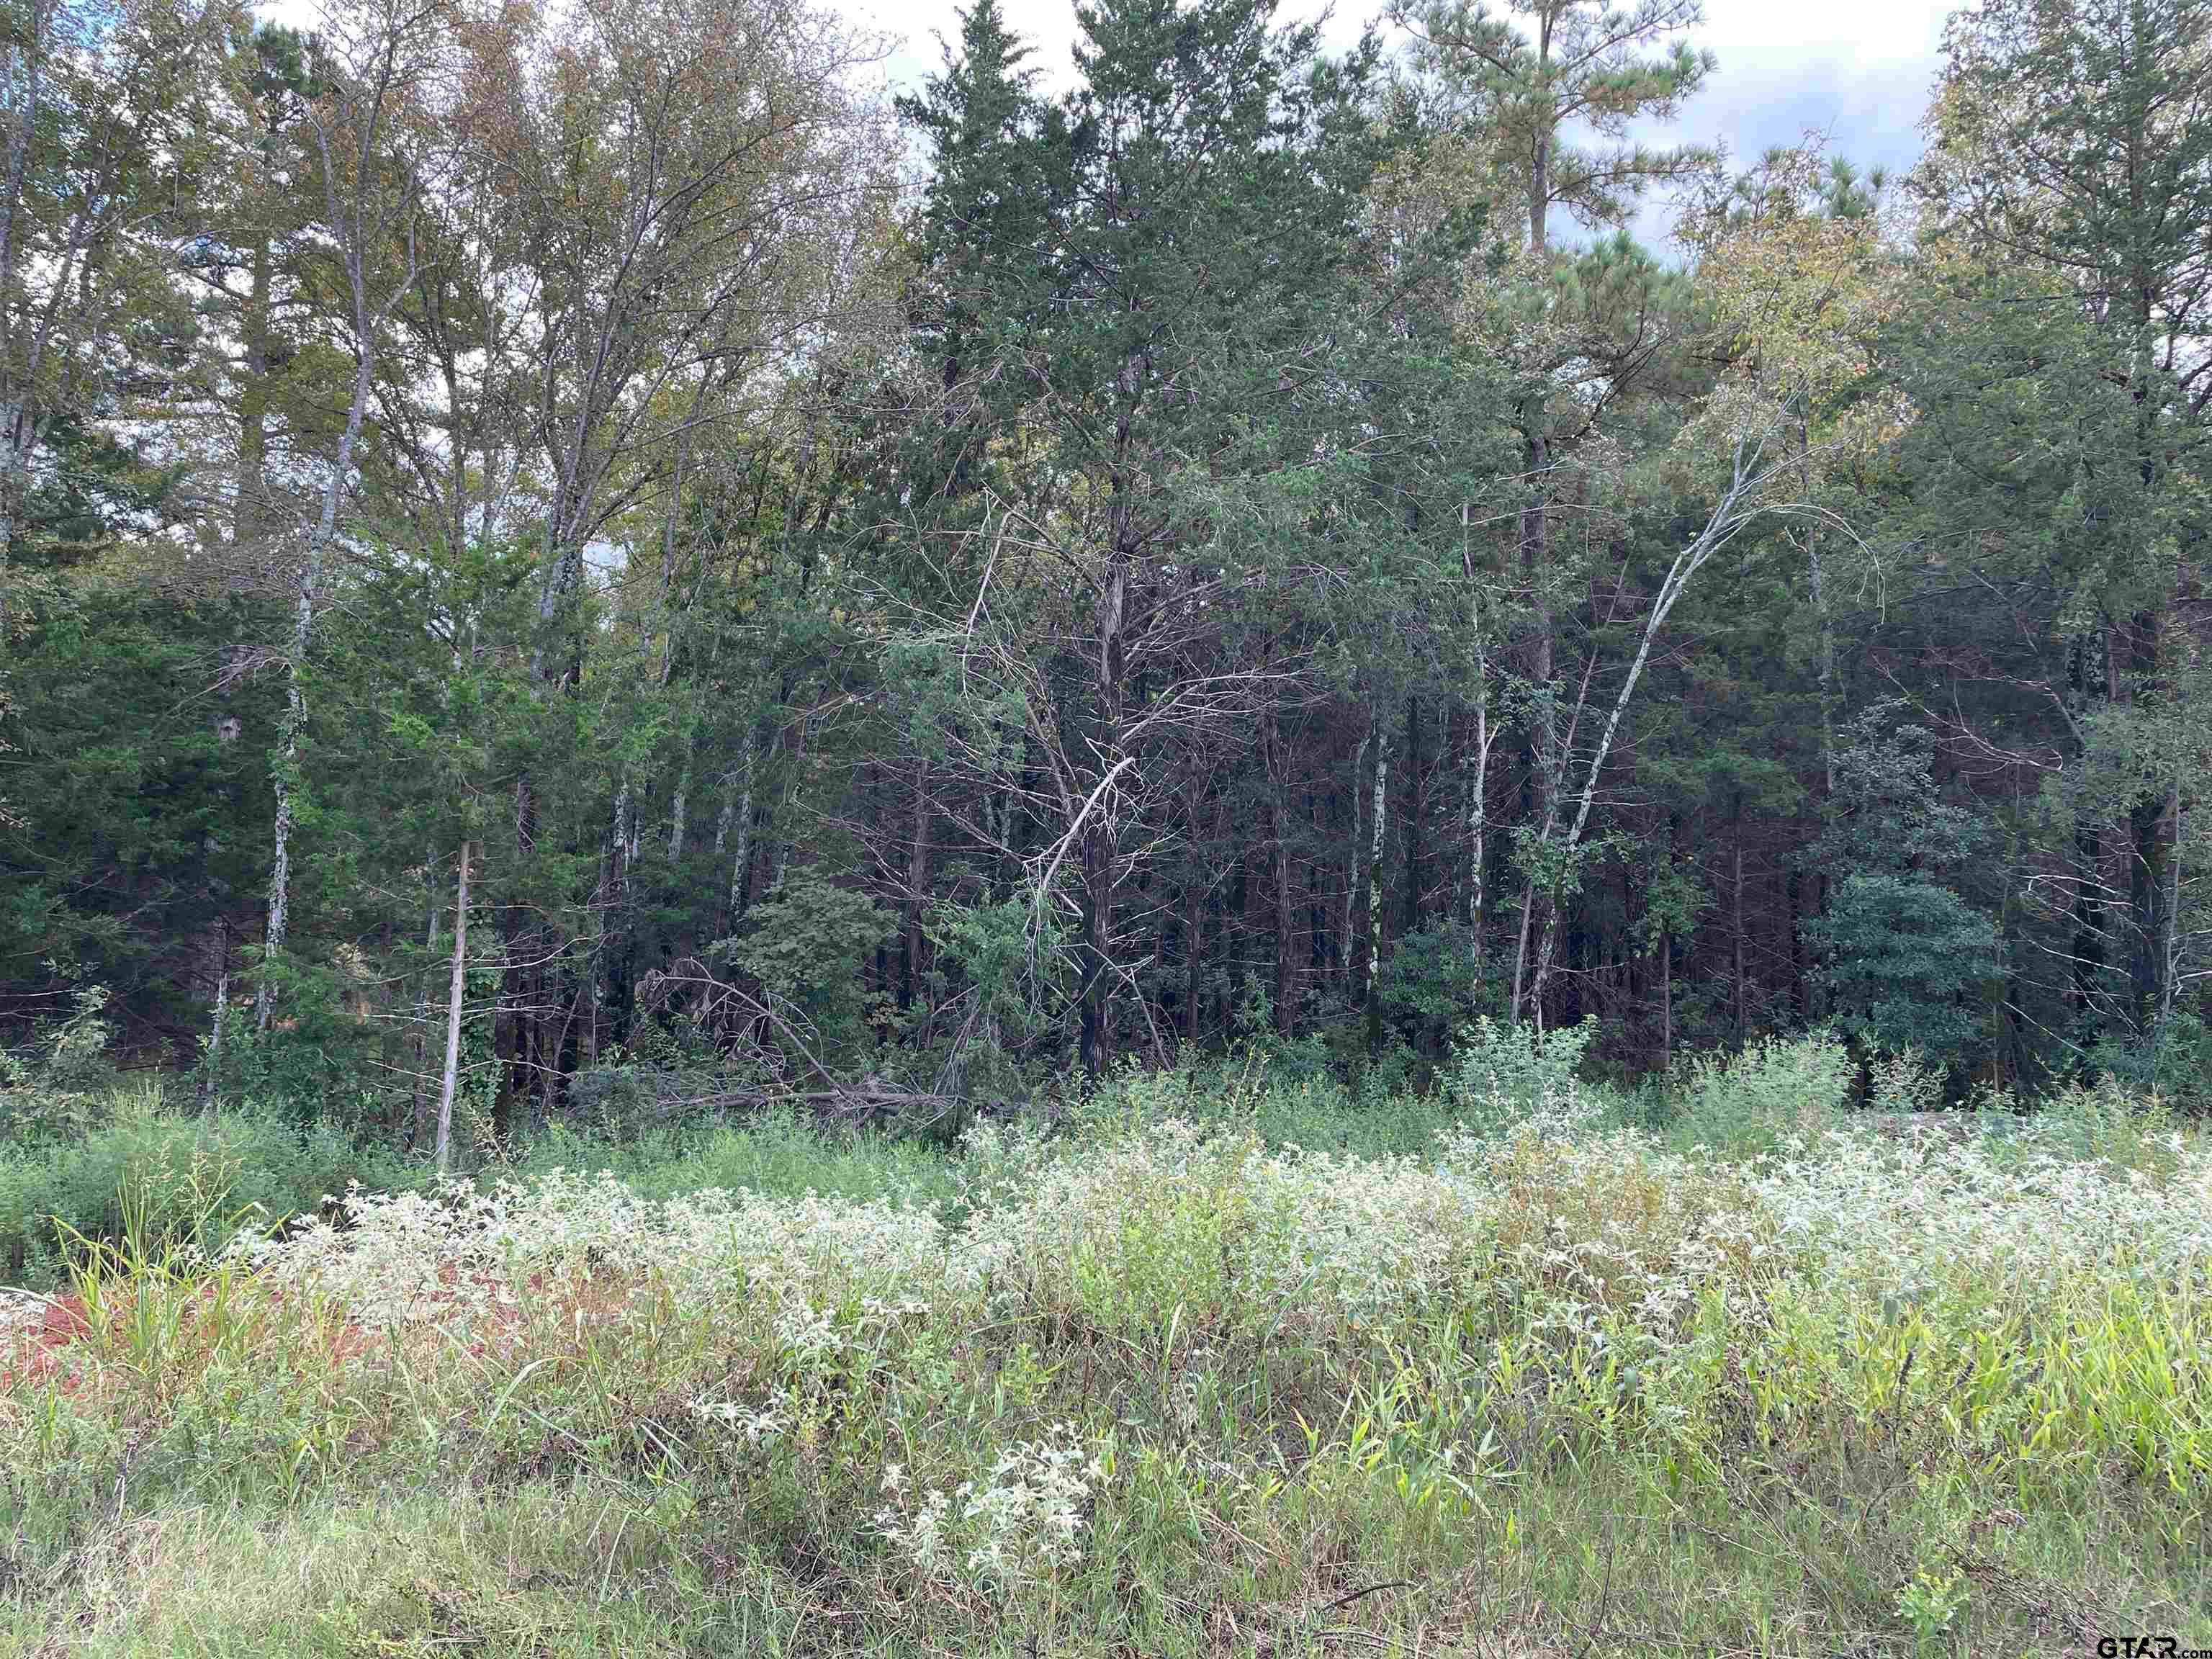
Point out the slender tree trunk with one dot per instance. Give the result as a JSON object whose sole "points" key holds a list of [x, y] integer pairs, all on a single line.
{"points": [[1193, 940], [209, 1089], [1414, 791], [1736, 508], [917, 886], [1478, 791], [676, 812], [1377, 841], [1478, 816], [2170, 937], [741, 863], [29, 49], [1521, 959], [418, 1114], [1355, 873], [454, 996], [786, 833], [1101, 839], [1287, 969], [295, 707], [1736, 822], [522, 981]]}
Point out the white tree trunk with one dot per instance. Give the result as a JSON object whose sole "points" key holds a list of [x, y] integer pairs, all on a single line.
{"points": [[1375, 857], [453, 1012], [208, 1092], [1738, 507]]}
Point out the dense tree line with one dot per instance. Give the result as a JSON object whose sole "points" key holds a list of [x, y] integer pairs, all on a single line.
{"points": [[540, 537]]}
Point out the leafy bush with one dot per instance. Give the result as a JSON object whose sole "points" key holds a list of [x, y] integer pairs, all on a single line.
{"points": [[1904, 1082], [188, 1180], [54, 1089], [650, 1088], [2105, 1122], [1279, 1106], [803, 945], [1500, 1072], [1429, 983], [2173, 1060], [777, 1153], [1759, 1099]]}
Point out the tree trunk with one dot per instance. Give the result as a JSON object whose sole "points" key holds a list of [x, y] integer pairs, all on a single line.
{"points": [[1278, 765], [1377, 840], [742, 814], [454, 996], [253, 481], [917, 886], [295, 707], [1736, 822], [1101, 840], [1414, 789], [1355, 874], [419, 1100], [1477, 821], [676, 812], [1194, 940], [208, 1086]]}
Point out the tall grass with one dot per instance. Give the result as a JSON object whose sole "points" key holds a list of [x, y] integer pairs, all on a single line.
{"points": [[198, 1178], [1152, 1385]]}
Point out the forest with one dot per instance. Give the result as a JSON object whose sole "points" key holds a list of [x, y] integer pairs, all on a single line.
{"points": [[1279, 844], [590, 522]]}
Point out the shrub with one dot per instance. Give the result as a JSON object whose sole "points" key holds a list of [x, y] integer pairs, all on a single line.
{"points": [[780, 1153], [1759, 1099], [803, 944], [190, 1180], [1429, 981], [1282, 1106], [1904, 1082], [53, 1091], [1907, 963], [2105, 1122], [1517, 1062]]}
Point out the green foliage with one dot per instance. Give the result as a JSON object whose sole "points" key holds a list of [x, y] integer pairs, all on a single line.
{"points": [[1011, 954], [1904, 1082], [804, 947], [1906, 964], [53, 1091], [1094, 573], [1889, 814], [187, 1179], [1518, 1063], [1279, 1106], [1430, 984], [1775, 1091], [2173, 1060], [137, 803], [2106, 1120], [1130, 1376], [1931, 1603], [782, 1154]]}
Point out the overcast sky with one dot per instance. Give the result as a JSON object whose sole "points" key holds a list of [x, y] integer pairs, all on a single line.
{"points": [[1858, 70]]}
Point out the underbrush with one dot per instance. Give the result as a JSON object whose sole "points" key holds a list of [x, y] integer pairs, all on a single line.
{"points": [[194, 1178], [1160, 1383]]}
